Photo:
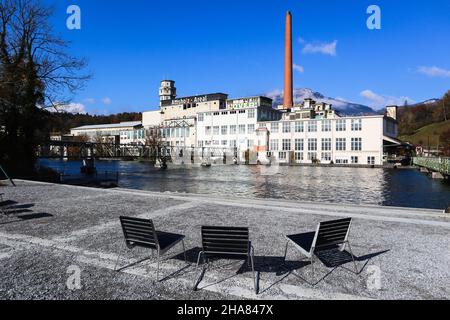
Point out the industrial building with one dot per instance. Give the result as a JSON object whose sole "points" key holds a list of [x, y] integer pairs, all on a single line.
{"points": [[308, 133]]}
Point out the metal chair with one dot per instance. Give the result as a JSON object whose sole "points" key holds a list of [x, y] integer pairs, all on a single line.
{"points": [[142, 233], [225, 243], [328, 235]]}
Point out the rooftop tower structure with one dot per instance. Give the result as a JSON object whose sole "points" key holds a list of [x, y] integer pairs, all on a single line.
{"points": [[167, 91]]}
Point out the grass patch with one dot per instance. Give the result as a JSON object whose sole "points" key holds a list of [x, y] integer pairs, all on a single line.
{"points": [[433, 131]]}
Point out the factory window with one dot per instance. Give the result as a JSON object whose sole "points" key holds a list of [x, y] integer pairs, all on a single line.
{"points": [[371, 161], [200, 144], [355, 160], [299, 126], [312, 156], [233, 144], [208, 131], [241, 111], [207, 143], [251, 128], [251, 113], [233, 129], [216, 142], [224, 113], [274, 127], [357, 125], [326, 144], [341, 125], [299, 144], [216, 130], [216, 113], [341, 144], [282, 155], [356, 144], [299, 156], [273, 145], [286, 144], [249, 144], [326, 156], [312, 144], [201, 117], [224, 142], [326, 125], [242, 129], [312, 126], [224, 130], [233, 112], [286, 127]]}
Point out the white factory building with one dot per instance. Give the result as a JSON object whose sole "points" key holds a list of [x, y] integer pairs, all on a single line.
{"points": [[257, 132]]}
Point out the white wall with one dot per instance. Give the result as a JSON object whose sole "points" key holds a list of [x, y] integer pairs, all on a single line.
{"points": [[371, 135], [151, 118]]}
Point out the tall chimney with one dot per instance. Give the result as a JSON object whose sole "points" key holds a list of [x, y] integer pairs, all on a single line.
{"points": [[288, 78]]}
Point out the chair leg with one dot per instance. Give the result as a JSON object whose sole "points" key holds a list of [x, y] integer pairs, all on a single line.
{"points": [[202, 273], [117, 260], [252, 258], [353, 257], [286, 250], [198, 259], [157, 271], [312, 264]]}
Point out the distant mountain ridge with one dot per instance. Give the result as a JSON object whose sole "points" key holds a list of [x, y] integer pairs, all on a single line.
{"points": [[343, 107]]}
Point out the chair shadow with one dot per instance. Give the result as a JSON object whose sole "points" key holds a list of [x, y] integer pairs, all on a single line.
{"points": [[153, 259], [34, 216], [334, 258], [262, 264], [8, 203], [25, 215]]}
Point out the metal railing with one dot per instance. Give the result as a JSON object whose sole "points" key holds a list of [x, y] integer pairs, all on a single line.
{"points": [[441, 165]]}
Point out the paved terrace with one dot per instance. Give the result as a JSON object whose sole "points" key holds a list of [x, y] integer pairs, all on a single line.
{"points": [[54, 227]]}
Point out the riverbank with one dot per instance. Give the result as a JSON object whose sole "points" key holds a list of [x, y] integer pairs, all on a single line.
{"points": [[55, 227]]}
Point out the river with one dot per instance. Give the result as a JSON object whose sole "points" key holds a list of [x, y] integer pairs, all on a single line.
{"points": [[387, 187]]}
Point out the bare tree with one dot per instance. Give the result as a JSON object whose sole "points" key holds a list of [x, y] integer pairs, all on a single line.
{"points": [[36, 72]]}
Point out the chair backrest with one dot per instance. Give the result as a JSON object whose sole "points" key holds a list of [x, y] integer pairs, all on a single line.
{"points": [[225, 241], [332, 233], [139, 232]]}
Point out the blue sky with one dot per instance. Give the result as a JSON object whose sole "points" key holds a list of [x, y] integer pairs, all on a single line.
{"points": [[236, 47]]}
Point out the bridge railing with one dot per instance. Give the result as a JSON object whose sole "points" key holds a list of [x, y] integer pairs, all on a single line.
{"points": [[441, 165]]}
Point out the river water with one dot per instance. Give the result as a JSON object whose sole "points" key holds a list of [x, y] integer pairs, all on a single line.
{"points": [[387, 187]]}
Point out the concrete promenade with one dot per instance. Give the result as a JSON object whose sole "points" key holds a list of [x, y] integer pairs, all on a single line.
{"points": [[54, 229]]}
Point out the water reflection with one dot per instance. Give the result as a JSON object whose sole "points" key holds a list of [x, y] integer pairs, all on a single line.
{"points": [[405, 188]]}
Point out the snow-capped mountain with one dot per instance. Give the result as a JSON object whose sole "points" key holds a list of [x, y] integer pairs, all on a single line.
{"points": [[427, 102], [343, 107]]}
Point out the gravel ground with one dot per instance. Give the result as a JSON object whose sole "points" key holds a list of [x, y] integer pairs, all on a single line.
{"points": [[53, 229]]}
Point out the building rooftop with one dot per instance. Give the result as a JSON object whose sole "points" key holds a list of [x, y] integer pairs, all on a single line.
{"points": [[111, 125]]}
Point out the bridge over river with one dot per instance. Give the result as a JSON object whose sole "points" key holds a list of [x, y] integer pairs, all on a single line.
{"points": [[440, 165]]}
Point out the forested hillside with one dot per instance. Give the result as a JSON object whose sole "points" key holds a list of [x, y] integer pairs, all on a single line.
{"points": [[63, 122], [427, 124]]}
